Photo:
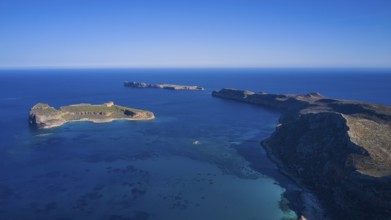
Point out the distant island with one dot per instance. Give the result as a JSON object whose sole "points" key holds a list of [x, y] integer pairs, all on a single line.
{"points": [[44, 116], [338, 149], [161, 86]]}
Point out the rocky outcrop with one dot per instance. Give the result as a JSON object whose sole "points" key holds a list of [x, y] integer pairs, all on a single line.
{"points": [[44, 116], [161, 86], [340, 150]]}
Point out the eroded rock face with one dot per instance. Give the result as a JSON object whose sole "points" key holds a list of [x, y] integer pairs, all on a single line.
{"points": [[44, 116], [338, 149]]}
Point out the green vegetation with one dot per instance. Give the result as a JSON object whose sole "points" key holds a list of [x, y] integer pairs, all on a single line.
{"points": [[44, 115], [97, 108], [44, 109]]}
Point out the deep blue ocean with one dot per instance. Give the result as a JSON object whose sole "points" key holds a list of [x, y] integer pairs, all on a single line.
{"points": [[134, 170]]}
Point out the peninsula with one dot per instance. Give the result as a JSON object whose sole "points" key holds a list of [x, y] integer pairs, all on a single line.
{"points": [[161, 86], [338, 149], [44, 116]]}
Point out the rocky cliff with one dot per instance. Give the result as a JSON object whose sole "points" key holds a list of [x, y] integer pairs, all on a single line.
{"points": [[340, 150], [161, 86], [44, 116]]}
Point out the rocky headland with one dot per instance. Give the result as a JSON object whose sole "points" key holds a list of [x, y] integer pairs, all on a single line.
{"points": [[340, 150], [44, 116], [161, 86]]}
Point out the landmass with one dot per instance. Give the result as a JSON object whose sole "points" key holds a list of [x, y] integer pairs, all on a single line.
{"points": [[161, 86], [338, 149], [44, 116]]}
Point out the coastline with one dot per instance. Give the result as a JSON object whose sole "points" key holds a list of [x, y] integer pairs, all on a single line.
{"points": [[339, 149], [97, 121], [308, 205]]}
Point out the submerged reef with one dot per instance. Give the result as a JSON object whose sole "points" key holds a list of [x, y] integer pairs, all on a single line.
{"points": [[338, 149], [161, 86], [44, 116]]}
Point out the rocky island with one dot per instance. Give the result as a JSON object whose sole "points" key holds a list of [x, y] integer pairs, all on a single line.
{"points": [[338, 149], [44, 116], [161, 86]]}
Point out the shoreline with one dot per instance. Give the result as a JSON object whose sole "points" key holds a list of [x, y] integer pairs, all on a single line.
{"points": [[98, 121], [310, 207]]}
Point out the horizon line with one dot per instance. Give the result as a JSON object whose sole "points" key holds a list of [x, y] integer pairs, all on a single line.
{"points": [[187, 67]]}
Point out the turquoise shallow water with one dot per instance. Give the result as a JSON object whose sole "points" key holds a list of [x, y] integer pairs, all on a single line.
{"points": [[150, 170]]}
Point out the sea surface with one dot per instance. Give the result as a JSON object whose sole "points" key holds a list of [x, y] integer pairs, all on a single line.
{"points": [[138, 170]]}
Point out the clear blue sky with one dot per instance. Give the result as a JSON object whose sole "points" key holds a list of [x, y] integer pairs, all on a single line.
{"points": [[195, 33]]}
